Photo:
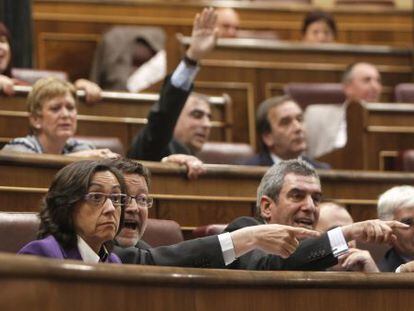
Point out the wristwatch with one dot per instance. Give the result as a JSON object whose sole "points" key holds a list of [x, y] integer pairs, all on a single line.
{"points": [[189, 61]]}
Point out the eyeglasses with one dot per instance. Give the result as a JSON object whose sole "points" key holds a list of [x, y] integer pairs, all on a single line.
{"points": [[408, 221], [99, 198], [141, 199]]}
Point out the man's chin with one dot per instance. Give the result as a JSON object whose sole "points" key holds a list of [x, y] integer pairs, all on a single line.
{"points": [[127, 240], [302, 225], [197, 145]]}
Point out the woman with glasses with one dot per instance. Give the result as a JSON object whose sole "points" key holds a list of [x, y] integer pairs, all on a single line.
{"points": [[82, 213]]}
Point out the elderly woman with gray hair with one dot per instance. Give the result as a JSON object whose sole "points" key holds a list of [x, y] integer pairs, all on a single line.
{"points": [[397, 203]]}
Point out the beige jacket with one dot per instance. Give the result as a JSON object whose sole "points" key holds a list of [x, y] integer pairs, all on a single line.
{"points": [[112, 65], [322, 124]]}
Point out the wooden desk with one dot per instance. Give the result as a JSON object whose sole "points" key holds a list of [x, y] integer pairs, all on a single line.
{"points": [[375, 131], [67, 31], [118, 114], [30, 283], [222, 194], [265, 66]]}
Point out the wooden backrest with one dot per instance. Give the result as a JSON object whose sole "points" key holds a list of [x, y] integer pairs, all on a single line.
{"points": [[162, 232], [404, 93], [376, 133], [222, 194], [31, 75], [265, 66], [17, 229], [315, 93], [225, 153], [112, 143], [121, 114]]}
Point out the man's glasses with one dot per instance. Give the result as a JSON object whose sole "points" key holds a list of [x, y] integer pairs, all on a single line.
{"points": [[99, 198], [141, 199], [408, 221]]}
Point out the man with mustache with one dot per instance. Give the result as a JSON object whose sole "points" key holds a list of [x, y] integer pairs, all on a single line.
{"points": [[252, 246], [279, 122]]}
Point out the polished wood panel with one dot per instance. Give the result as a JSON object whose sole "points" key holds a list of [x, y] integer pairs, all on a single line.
{"points": [[48, 284], [376, 132], [118, 114], [66, 32], [267, 65], [127, 105], [222, 194]]}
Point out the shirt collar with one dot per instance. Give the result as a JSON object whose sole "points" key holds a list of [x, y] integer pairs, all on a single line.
{"points": [[88, 255], [276, 159]]}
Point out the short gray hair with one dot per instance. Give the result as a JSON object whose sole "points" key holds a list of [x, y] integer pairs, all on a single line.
{"points": [[400, 197], [273, 179], [348, 74]]}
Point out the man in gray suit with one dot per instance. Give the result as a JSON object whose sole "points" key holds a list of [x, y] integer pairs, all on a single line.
{"points": [[326, 124]]}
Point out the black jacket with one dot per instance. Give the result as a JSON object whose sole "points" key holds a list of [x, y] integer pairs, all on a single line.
{"points": [[155, 140], [198, 253], [391, 261], [311, 255], [264, 159]]}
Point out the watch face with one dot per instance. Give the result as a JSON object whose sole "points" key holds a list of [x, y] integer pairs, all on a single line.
{"points": [[189, 61]]}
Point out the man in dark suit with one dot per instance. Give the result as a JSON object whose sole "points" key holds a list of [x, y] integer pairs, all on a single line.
{"points": [[213, 251], [276, 241], [279, 122], [289, 194], [397, 203], [180, 123]]}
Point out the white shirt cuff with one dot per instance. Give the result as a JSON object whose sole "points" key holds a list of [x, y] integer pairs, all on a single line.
{"points": [[337, 241], [184, 75], [227, 248]]}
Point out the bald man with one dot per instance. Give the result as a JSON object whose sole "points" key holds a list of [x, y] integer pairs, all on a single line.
{"points": [[228, 22], [332, 215], [326, 124]]}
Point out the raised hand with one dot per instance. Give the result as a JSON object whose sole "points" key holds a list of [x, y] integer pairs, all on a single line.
{"points": [[373, 231], [204, 34], [272, 238]]}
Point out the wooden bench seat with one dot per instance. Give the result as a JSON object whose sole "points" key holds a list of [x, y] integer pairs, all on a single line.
{"points": [[222, 194]]}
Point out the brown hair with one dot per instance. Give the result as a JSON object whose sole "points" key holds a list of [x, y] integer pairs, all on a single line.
{"points": [[5, 32], [69, 187], [316, 16]]}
